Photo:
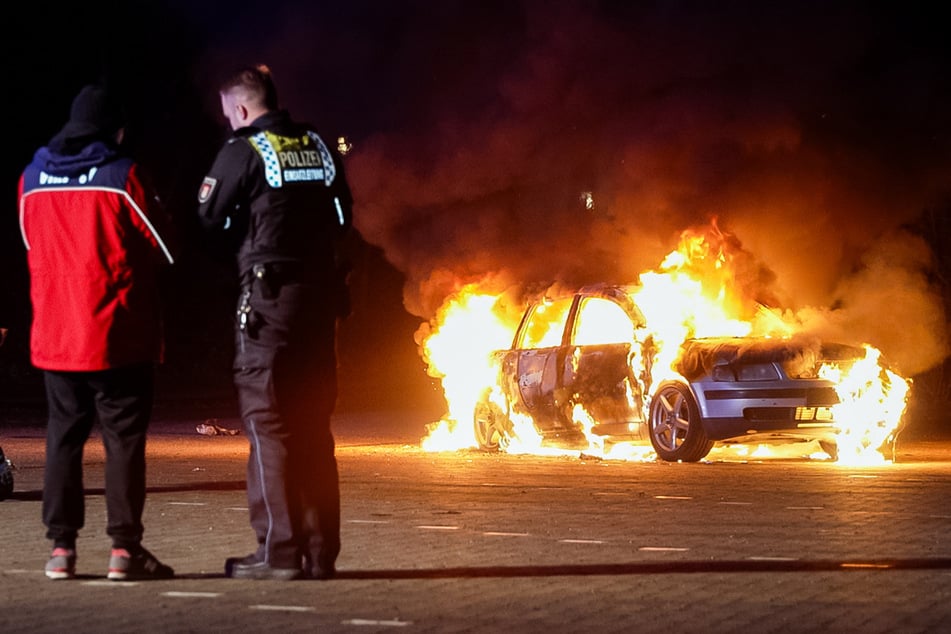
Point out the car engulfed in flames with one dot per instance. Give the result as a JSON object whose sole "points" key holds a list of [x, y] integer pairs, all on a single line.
{"points": [[681, 363], [588, 356]]}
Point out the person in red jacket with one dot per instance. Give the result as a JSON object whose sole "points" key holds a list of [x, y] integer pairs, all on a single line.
{"points": [[93, 231]]}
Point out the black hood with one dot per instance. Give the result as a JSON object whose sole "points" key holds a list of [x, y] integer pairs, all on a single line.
{"points": [[95, 115]]}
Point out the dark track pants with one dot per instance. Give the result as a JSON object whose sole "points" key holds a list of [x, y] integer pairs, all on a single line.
{"points": [[120, 400]]}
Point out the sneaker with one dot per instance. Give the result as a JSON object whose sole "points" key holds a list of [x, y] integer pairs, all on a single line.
{"points": [[62, 564], [251, 568], [139, 564]]}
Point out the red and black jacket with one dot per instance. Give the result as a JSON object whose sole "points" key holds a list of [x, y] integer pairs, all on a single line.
{"points": [[94, 237]]}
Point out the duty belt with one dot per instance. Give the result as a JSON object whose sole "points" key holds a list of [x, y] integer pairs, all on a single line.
{"points": [[272, 275]]}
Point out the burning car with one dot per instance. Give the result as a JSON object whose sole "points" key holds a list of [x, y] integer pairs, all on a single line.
{"points": [[584, 364]]}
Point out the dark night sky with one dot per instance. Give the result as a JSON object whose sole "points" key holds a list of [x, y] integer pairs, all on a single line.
{"points": [[817, 133]]}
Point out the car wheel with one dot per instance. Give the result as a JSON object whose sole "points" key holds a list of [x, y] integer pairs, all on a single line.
{"points": [[492, 427], [676, 431]]}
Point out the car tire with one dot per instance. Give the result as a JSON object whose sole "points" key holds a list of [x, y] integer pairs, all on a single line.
{"points": [[493, 430], [676, 430]]}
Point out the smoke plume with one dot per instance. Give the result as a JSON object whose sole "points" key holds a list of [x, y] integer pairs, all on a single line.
{"points": [[569, 145]]}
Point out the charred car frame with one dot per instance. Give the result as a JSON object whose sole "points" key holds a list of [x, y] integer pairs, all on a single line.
{"points": [[728, 390]]}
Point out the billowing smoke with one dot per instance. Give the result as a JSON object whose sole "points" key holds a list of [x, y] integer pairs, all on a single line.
{"points": [[558, 144]]}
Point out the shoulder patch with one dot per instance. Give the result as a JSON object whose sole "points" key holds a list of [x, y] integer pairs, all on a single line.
{"points": [[207, 189]]}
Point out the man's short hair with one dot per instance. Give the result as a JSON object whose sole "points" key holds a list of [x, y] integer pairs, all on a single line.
{"points": [[255, 85]]}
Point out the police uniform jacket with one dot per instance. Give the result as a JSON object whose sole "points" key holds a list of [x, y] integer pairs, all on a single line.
{"points": [[280, 192]]}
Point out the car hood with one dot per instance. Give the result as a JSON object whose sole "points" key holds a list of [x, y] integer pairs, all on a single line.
{"points": [[799, 355]]}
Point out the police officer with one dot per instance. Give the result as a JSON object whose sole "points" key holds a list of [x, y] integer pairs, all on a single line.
{"points": [[280, 193]]}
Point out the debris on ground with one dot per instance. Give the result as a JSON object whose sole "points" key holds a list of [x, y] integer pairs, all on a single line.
{"points": [[211, 428]]}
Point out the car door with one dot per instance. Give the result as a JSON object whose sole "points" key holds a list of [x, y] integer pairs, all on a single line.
{"points": [[540, 353], [596, 370]]}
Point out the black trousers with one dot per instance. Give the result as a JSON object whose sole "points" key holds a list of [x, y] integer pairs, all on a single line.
{"points": [[120, 400], [285, 374]]}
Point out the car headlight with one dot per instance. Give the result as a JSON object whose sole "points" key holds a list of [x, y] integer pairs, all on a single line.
{"points": [[757, 372], [745, 372]]}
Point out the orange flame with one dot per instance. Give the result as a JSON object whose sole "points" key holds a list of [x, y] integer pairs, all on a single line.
{"points": [[873, 400], [458, 352], [693, 293]]}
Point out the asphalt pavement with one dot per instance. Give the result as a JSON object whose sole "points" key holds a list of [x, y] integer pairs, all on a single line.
{"points": [[465, 541]]}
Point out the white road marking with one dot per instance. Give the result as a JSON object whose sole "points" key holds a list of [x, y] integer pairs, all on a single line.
{"points": [[110, 583], [504, 534], [773, 558], [368, 521], [663, 549], [429, 527], [672, 497], [375, 622], [283, 608], [580, 541], [200, 595]]}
